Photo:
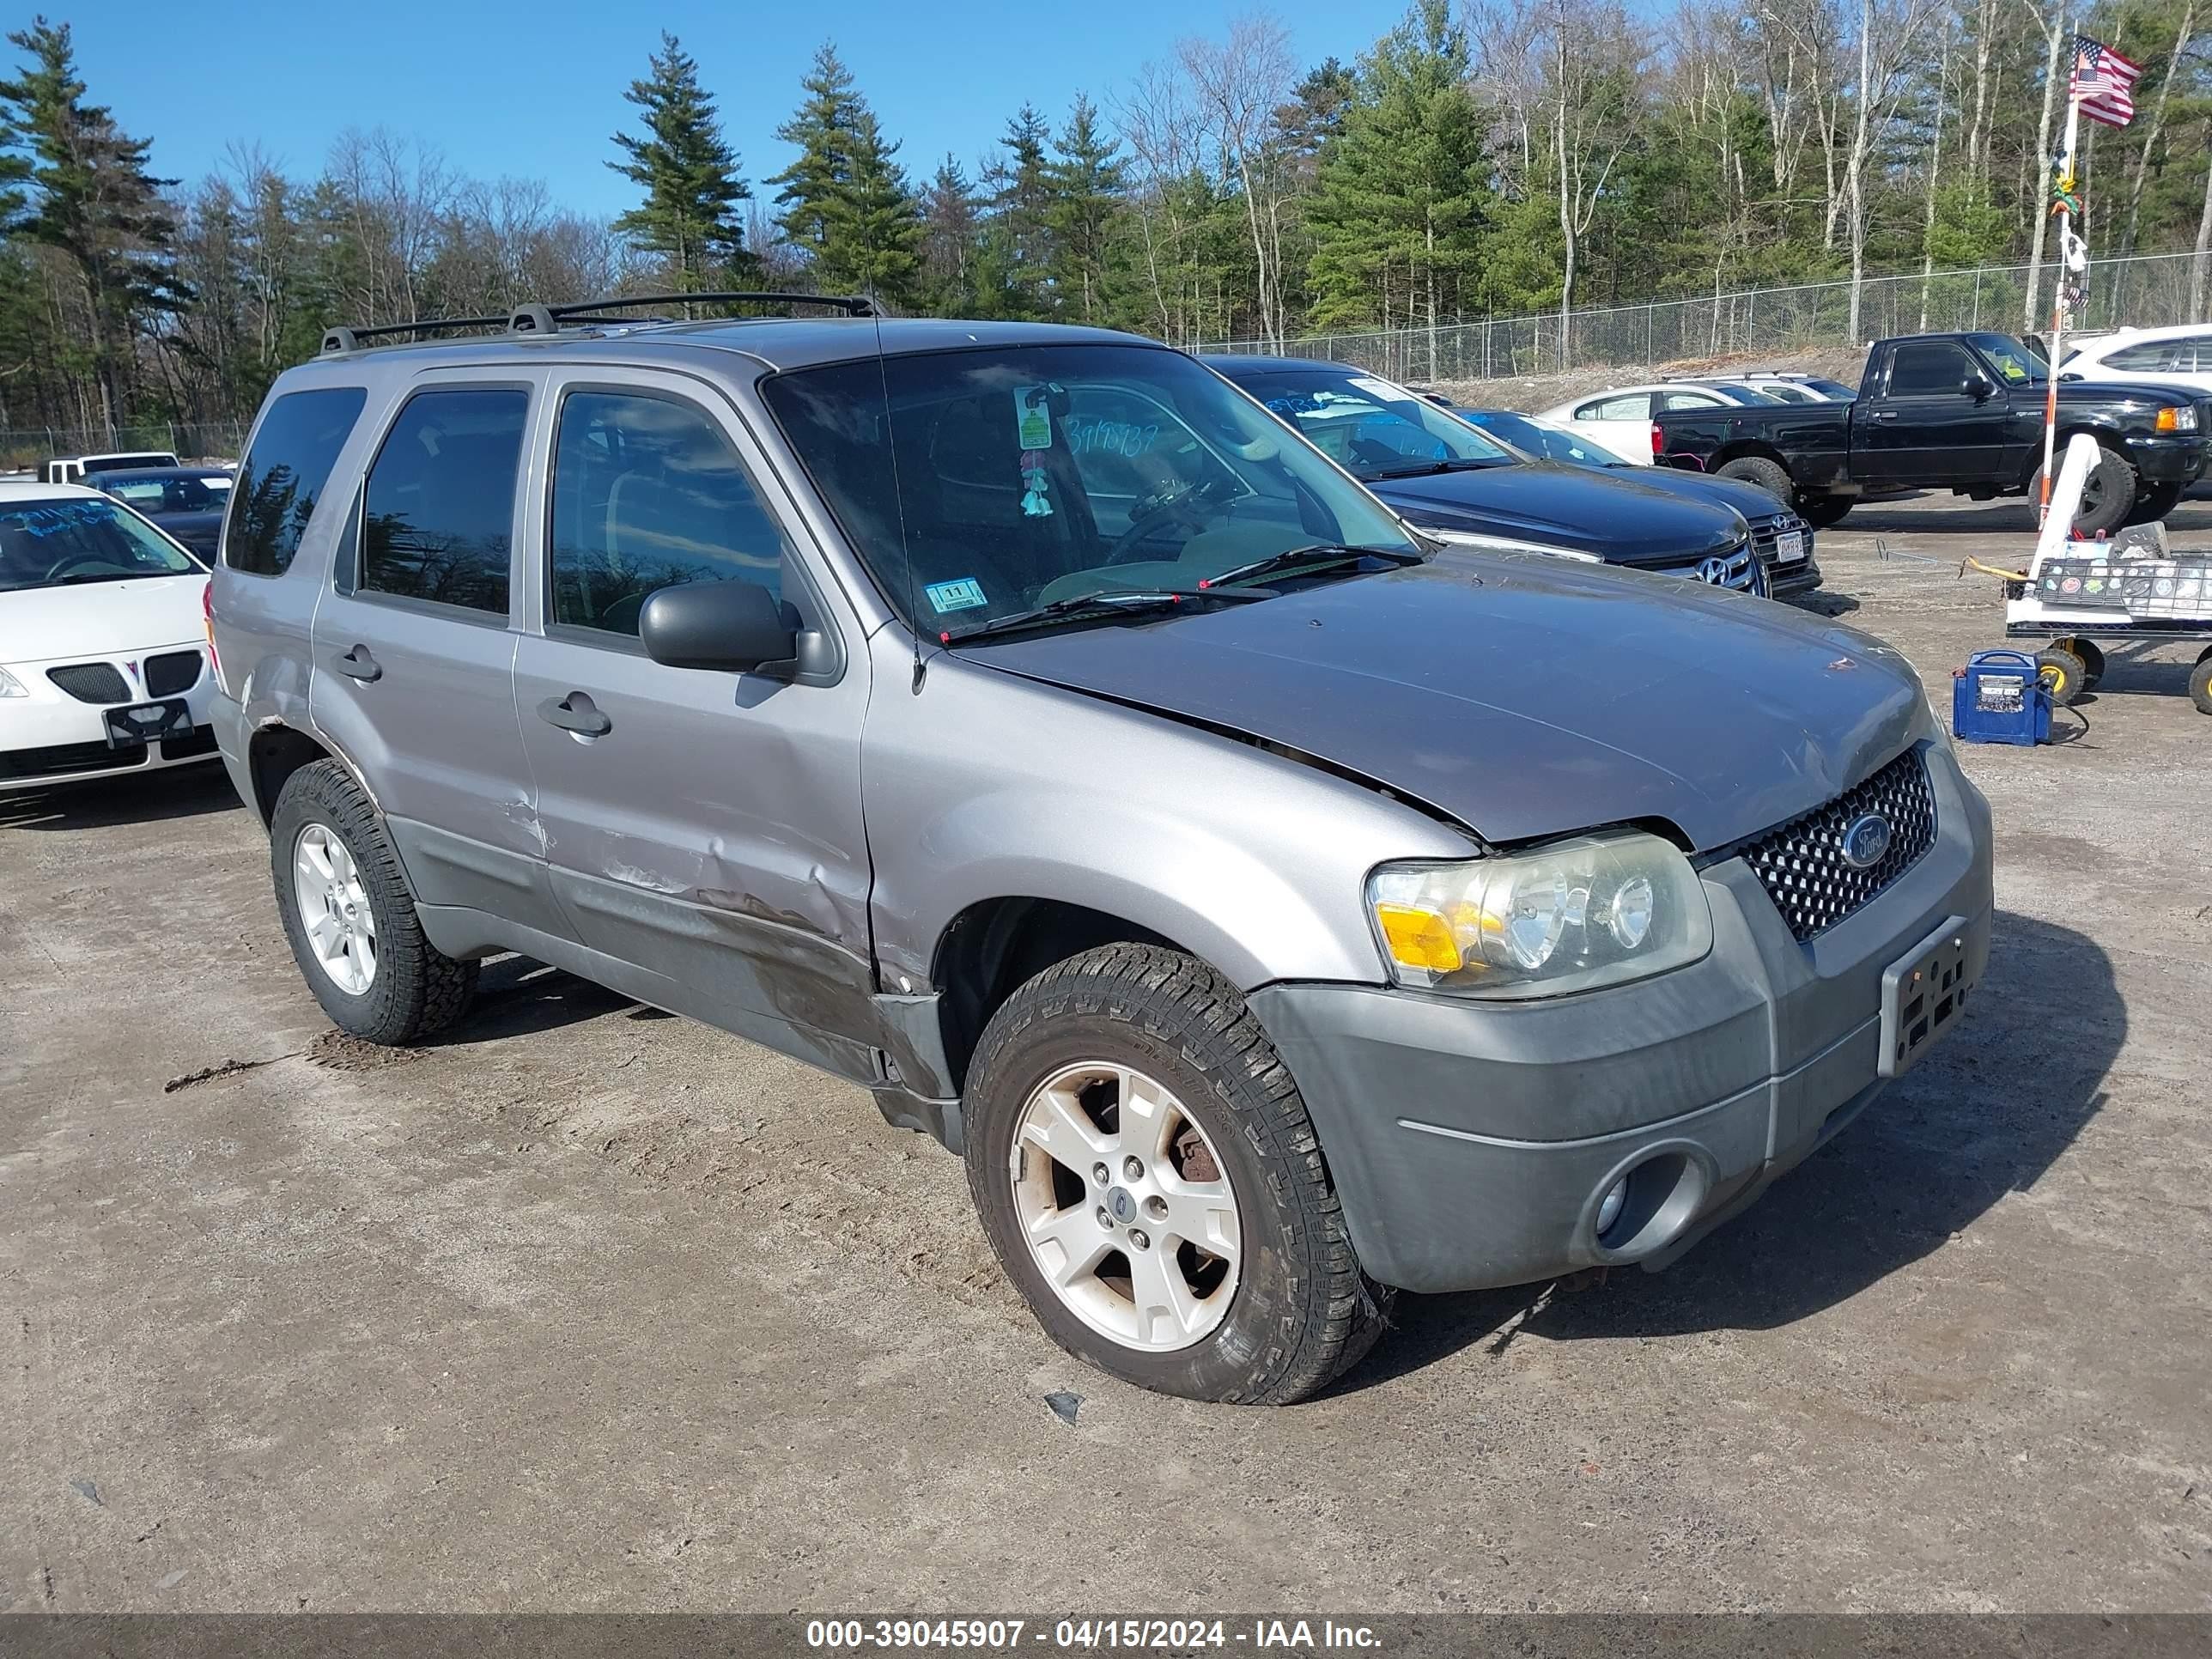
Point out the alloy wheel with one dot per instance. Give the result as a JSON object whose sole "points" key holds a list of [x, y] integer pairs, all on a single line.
{"points": [[334, 908]]}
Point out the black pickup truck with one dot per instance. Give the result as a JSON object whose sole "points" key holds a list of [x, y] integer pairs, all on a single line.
{"points": [[1962, 412]]}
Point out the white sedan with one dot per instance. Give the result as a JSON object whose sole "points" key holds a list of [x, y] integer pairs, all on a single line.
{"points": [[2179, 357], [104, 666], [1621, 419]]}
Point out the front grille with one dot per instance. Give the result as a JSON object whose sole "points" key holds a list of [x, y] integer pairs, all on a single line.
{"points": [[1735, 568], [68, 757], [172, 673], [91, 682], [1802, 864], [1766, 532]]}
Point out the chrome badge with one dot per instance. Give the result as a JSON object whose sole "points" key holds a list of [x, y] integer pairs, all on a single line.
{"points": [[1866, 838]]}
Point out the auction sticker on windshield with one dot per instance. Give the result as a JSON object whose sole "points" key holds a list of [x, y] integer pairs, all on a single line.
{"points": [[1033, 417], [963, 595]]}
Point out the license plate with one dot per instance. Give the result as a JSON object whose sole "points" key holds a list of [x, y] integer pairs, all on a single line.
{"points": [[1789, 547], [148, 722], [1922, 996]]}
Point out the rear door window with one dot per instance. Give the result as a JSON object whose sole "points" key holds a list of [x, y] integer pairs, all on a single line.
{"points": [[648, 492], [1689, 400], [283, 475], [438, 525], [1629, 406]]}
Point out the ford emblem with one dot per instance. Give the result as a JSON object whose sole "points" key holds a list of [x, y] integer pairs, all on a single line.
{"points": [[1866, 838]]}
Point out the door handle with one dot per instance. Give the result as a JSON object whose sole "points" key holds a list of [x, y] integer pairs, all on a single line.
{"points": [[1885, 414], [360, 664], [576, 713]]}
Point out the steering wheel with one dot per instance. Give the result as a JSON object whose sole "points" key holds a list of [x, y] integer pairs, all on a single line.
{"points": [[63, 566], [1163, 509]]}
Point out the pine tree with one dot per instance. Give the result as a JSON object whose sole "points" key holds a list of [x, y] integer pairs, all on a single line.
{"points": [[948, 229], [823, 130], [1401, 192], [871, 225], [91, 198], [689, 175], [1082, 185], [1018, 255]]}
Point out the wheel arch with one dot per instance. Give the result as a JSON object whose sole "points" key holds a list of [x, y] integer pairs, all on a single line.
{"points": [[276, 749]]}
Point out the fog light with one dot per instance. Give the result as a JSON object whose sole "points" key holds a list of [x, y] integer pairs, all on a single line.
{"points": [[1610, 1206]]}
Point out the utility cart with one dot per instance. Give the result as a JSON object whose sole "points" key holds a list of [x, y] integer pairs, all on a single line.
{"points": [[2079, 595]]}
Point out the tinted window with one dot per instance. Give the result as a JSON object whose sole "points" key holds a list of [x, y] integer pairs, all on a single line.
{"points": [[1928, 369], [648, 492], [1542, 439], [439, 519], [283, 475], [1368, 426], [2157, 355]]}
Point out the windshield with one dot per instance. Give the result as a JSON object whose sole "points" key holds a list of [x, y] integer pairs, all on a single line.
{"points": [[2015, 363], [1022, 477], [1371, 427], [1542, 439], [62, 543]]}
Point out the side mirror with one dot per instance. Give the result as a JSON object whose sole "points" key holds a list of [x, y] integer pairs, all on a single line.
{"points": [[736, 627], [1978, 386]]}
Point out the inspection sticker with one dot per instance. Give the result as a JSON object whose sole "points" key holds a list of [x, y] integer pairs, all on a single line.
{"points": [[963, 595], [1033, 417]]}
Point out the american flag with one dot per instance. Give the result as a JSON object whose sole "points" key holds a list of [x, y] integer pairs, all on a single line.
{"points": [[2104, 82]]}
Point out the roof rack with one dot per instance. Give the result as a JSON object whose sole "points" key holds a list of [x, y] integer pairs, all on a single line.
{"points": [[536, 319], [350, 339]]}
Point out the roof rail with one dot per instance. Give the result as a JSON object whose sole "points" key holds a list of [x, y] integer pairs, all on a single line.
{"points": [[536, 319], [351, 339], [544, 319]]}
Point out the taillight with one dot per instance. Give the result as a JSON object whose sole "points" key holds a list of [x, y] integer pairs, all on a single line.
{"points": [[207, 611], [1658, 441]]}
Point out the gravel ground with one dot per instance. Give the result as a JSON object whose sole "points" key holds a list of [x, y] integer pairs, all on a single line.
{"points": [[584, 1308]]}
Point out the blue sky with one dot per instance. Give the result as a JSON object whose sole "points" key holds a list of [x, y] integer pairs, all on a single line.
{"points": [[534, 90]]}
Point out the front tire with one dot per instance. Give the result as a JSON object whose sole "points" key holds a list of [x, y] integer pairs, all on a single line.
{"points": [[1822, 512], [2065, 675], [1145, 1171], [2108, 494], [349, 916], [2154, 503]]}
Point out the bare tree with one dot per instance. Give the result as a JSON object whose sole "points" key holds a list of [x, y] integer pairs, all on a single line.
{"points": [[1239, 82], [2053, 25]]}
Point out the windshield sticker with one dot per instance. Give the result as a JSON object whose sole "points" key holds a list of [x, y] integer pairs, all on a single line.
{"points": [[1036, 481], [963, 595], [1090, 436], [1033, 417], [1383, 389], [2011, 370]]}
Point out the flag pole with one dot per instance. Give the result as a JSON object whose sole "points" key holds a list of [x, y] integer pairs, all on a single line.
{"points": [[2066, 170]]}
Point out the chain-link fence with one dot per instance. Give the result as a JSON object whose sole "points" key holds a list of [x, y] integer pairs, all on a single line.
{"points": [[2146, 291], [191, 440]]}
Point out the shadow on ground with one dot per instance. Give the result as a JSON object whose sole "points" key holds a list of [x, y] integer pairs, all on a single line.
{"points": [[1986, 1114], [518, 996], [184, 793]]}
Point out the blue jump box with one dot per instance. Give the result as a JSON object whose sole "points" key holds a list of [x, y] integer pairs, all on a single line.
{"points": [[1998, 698]]}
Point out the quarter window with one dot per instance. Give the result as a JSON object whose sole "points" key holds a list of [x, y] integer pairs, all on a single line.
{"points": [[1689, 400], [1631, 406], [439, 522], [648, 493], [283, 475]]}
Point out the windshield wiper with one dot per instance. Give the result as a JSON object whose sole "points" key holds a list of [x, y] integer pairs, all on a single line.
{"points": [[1132, 602], [1426, 469], [1320, 555]]}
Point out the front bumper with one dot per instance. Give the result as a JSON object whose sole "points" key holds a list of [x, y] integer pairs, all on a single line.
{"points": [[1785, 581], [49, 737], [2176, 459], [1471, 1142]]}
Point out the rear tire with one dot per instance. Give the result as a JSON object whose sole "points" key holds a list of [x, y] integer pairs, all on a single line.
{"points": [[405, 988], [1823, 511], [1769, 476], [2092, 656], [2107, 496], [1132, 1060], [2200, 684]]}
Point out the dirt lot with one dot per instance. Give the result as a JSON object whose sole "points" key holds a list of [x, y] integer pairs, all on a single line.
{"points": [[589, 1309]]}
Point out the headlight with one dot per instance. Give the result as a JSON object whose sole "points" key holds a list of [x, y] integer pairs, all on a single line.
{"points": [[1596, 911], [1505, 544], [10, 686], [2176, 420]]}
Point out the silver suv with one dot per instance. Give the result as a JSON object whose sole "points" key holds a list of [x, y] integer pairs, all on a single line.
{"points": [[1019, 722]]}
